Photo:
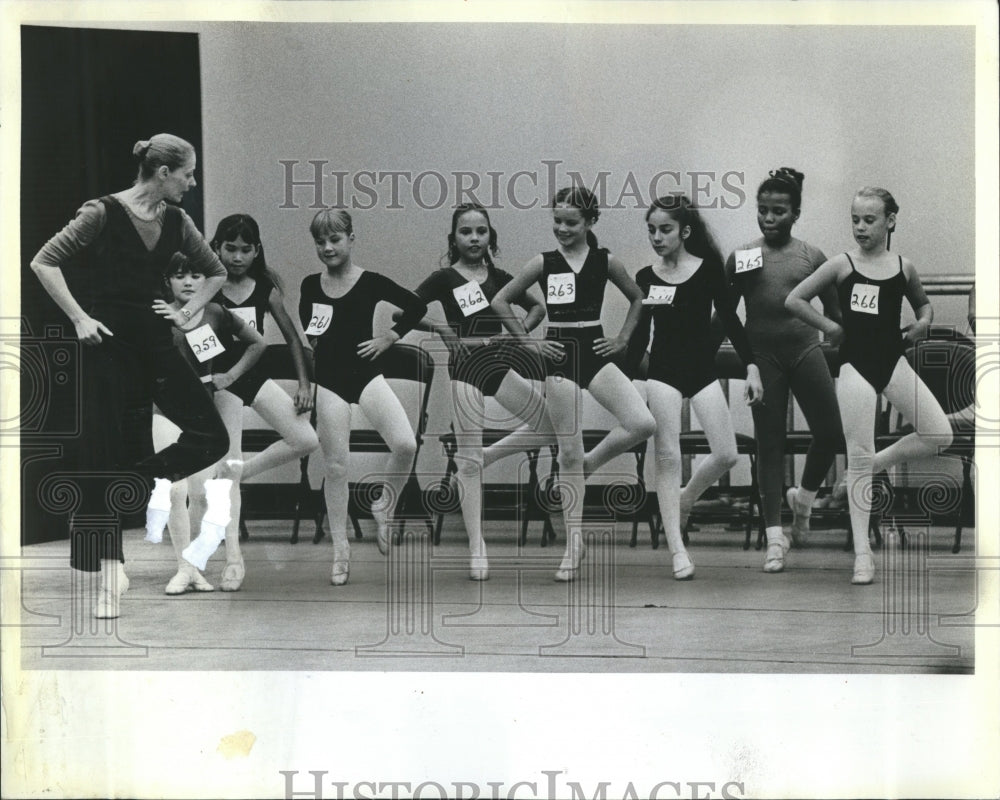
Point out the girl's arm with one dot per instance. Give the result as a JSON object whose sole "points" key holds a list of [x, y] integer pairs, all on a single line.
{"points": [[413, 309], [276, 305], [716, 326], [251, 355], [442, 329], [725, 310], [828, 297], [620, 278], [639, 340], [797, 303], [535, 309], [922, 308], [430, 291], [513, 291]]}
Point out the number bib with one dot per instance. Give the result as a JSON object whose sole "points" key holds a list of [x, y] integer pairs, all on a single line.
{"points": [[247, 315], [748, 260], [204, 343], [864, 298], [322, 316], [660, 295], [470, 298], [562, 288]]}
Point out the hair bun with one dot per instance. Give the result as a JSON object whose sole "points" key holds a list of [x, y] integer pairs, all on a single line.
{"points": [[141, 148], [788, 174]]}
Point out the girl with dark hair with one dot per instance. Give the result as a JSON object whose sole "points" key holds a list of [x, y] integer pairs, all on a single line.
{"points": [[121, 245], [787, 353], [251, 291], [483, 363], [336, 308], [871, 283], [577, 354], [206, 341], [680, 290]]}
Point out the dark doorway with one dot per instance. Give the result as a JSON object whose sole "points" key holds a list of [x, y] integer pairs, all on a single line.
{"points": [[87, 96]]}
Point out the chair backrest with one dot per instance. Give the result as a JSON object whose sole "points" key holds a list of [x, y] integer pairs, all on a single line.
{"points": [[946, 363]]}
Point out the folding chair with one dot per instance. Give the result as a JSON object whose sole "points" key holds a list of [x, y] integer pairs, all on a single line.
{"points": [[946, 363]]}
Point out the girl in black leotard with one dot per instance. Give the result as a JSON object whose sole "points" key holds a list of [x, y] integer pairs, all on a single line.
{"points": [[680, 290], [577, 353], [482, 362], [221, 348], [871, 282], [336, 309], [251, 292], [124, 242]]}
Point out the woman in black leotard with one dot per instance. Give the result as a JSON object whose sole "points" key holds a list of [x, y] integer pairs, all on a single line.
{"points": [[336, 309], [124, 242], [483, 363], [680, 290], [578, 355], [871, 282]]}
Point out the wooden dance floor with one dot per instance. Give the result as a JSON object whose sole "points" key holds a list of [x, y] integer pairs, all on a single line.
{"points": [[419, 611]]}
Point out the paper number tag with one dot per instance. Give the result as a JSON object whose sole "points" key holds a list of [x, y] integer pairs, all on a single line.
{"points": [[864, 298], [562, 288], [749, 260], [660, 295], [320, 320], [470, 298], [204, 343], [247, 315]]}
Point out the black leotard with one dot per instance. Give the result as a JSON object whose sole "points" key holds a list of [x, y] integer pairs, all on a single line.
{"points": [[483, 365], [247, 386], [338, 366], [579, 363], [683, 350], [258, 300], [225, 328], [872, 342]]}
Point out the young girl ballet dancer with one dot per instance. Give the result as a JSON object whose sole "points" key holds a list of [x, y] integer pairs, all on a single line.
{"points": [[577, 354], [210, 334], [336, 308], [787, 353], [251, 290], [123, 242], [680, 290], [871, 283], [483, 363]]}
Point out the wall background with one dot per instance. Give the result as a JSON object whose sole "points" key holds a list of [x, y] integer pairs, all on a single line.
{"points": [[847, 106]]}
